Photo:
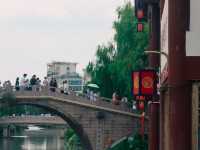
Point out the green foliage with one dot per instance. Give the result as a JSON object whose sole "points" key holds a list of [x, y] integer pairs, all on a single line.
{"points": [[134, 142], [113, 66], [8, 98], [72, 141], [101, 70]]}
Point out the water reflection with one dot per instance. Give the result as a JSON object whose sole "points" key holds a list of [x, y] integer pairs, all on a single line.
{"points": [[39, 141]]}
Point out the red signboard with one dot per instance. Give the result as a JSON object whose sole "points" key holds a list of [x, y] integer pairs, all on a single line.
{"points": [[144, 83], [147, 82]]}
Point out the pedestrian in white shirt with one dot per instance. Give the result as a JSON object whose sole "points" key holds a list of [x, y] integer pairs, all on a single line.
{"points": [[95, 97], [45, 83], [91, 95], [23, 82]]}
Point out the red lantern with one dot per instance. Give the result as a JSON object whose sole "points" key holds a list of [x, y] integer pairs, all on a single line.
{"points": [[140, 27], [141, 5], [140, 97], [140, 14], [141, 105]]}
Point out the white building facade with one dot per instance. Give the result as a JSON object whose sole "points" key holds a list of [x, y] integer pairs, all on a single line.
{"points": [[65, 71], [193, 35]]}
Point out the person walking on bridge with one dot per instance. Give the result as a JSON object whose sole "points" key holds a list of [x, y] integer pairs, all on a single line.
{"points": [[17, 84], [45, 82], [23, 81], [33, 83], [53, 85], [38, 84]]}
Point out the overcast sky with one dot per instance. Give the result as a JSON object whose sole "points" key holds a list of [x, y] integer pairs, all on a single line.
{"points": [[35, 32]]}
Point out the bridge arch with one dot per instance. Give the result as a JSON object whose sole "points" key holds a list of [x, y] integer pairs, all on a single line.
{"points": [[97, 123], [71, 121]]}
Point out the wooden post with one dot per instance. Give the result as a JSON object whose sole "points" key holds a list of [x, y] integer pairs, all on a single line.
{"points": [[179, 88], [154, 63], [154, 125]]}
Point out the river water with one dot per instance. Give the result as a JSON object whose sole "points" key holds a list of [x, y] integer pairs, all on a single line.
{"points": [[45, 139]]}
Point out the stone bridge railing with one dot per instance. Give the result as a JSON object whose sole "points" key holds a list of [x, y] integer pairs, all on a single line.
{"points": [[73, 97]]}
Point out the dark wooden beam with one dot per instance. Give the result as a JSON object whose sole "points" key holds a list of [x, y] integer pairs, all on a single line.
{"points": [[193, 67]]}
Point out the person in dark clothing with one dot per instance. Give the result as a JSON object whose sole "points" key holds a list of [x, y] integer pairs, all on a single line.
{"points": [[55, 83], [33, 81], [17, 84], [52, 85]]}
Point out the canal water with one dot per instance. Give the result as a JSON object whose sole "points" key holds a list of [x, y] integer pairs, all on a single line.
{"points": [[42, 139]]}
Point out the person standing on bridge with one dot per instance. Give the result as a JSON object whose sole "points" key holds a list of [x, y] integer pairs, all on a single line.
{"points": [[33, 83], [115, 98], [45, 82], [23, 82], [53, 85], [95, 96], [91, 95], [38, 84], [17, 84]]}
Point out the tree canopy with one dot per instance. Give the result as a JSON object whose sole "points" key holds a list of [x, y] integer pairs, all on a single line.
{"points": [[115, 61]]}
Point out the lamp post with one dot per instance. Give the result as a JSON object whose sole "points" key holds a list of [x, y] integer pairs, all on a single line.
{"points": [[157, 52], [155, 112]]}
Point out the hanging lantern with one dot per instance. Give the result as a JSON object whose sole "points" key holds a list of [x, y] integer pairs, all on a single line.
{"points": [[141, 105], [141, 98], [141, 9], [144, 83], [140, 27], [140, 14]]}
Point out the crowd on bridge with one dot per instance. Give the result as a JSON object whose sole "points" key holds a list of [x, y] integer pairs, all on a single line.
{"points": [[34, 83]]}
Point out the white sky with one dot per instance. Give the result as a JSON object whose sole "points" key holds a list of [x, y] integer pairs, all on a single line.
{"points": [[35, 32]]}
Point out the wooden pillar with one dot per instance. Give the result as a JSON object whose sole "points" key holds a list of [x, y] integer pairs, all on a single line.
{"points": [[154, 45], [179, 88], [154, 126], [154, 63]]}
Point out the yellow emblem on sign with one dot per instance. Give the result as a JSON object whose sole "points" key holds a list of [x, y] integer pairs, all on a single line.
{"points": [[136, 82], [147, 82]]}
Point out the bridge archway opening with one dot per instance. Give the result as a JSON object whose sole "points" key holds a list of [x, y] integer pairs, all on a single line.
{"points": [[78, 129]]}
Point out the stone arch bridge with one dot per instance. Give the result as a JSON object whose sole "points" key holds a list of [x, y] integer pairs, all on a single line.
{"points": [[97, 123]]}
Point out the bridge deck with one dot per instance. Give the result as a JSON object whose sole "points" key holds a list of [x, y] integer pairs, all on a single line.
{"points": [[72, 98]]}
